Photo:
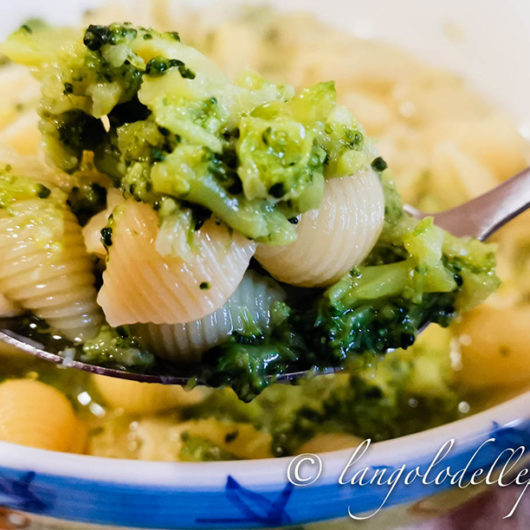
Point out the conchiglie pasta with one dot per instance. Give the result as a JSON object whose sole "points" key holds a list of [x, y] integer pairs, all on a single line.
{"points": [[332, 239], [326, 442], [134, 397], [33, 168], [140, 286], [23, 134], [494, 347], [492, 140], [253, 300], [44, 268], [35, 414], [17, 88]]}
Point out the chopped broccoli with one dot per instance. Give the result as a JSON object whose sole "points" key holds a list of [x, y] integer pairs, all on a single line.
{"points": [[199, 449], [171, 130], [116, 347], [14, 188], [251, 151], [405, 392], [416, 274], [86, 199]]}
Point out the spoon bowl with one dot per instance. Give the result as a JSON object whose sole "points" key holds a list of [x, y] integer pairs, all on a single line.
{"points": [[479, 218]]}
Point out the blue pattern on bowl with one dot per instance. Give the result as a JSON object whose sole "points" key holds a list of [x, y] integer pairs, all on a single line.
{"points": [[236, 505]]}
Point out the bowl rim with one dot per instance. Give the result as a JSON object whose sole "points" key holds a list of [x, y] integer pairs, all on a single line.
{"points": [[466, 432]]}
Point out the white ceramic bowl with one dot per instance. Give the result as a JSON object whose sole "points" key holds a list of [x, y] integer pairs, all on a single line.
{"points": [[494, 54]]}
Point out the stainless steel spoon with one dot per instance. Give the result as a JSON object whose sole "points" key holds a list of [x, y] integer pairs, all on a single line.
{"points": [[479, 218]]}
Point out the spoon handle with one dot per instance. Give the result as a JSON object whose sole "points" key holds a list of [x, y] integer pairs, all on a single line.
{"points": [[484, 215]]}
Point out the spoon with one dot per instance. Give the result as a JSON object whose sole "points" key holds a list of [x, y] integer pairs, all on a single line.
{"points": [[478, 218]]}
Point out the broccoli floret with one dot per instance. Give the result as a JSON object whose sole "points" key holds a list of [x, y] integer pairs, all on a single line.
{"points": [[15, 188], [199, 449], [380, 305], [116, 347], [250, 360], [87, 199], [68, 135], [177, 133], [252, 152], [248, 368], [417, 274], [405, 392]]}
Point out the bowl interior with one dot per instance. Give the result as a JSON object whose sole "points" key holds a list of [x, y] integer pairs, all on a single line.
{"points": [[493, 55], [484, 41]]}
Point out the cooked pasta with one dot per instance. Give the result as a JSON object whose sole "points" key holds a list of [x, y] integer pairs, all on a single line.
{"points": [[326, 442], [141, 286], [23, 134], [494, 355], [161, 438], [33, 168], [332, 239], [36, 414], [145, 398], [251, 303], [19, 92], [44, 267], [443, 144]]}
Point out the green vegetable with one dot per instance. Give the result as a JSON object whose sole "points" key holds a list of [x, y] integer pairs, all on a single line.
{"points": [[116, 348], [405, 392], [87, 199], [198, 449], [416, 274], [251, 152], [184, 139], [14, 188], [106, 236]]}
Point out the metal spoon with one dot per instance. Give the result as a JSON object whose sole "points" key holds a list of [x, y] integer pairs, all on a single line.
{"points": [[479, 218]]}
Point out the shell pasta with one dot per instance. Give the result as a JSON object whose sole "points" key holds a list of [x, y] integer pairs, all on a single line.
{"points": [[203, 195], [195, 220], [145, 398], [332, 239], [33, 168], [252, 301], [36, 414], [139, 285], [48, 273]]}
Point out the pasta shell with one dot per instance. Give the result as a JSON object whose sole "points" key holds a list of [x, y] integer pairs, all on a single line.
{"points": [[48, 273], [33, 168], [329, 441], [18, 89], [35, 414], [140, 286], [23, 134], [332, 239], [494, 347], [134, 397], [253, 298]]}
